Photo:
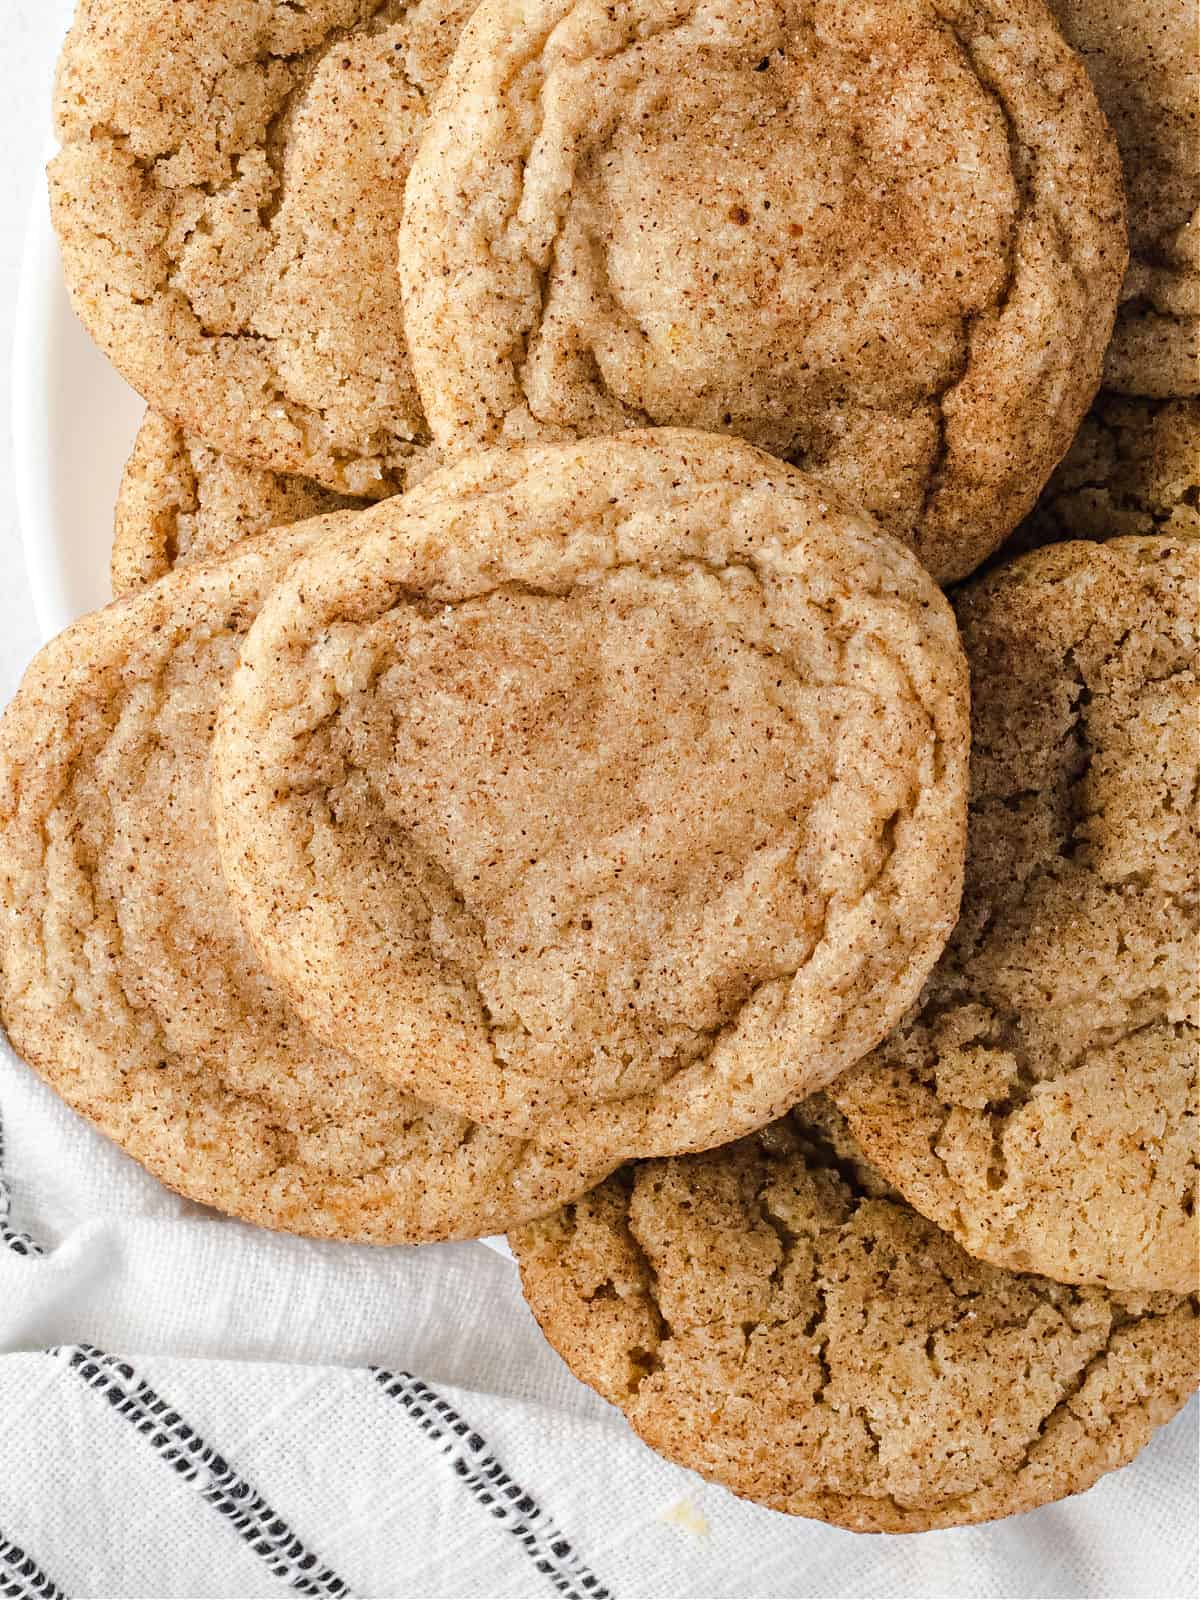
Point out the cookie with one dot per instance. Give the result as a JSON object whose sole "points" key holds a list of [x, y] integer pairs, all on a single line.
{"points": [[1133, 469], [1040, 1103], [836, 229], [125, 979], [227, 195], [1142, 58], [182, 501], [609, 793], [773, 1317]]}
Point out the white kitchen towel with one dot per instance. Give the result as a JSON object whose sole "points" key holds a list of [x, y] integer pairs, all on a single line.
{"points": [[193, 1407]]}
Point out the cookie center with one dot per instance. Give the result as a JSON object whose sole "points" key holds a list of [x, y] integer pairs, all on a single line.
{"points": [[628, 809], [799, 241]]}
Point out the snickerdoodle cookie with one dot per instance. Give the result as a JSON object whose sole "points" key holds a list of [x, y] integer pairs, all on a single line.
{"points": [[1143, 58], [227, 196], [182, 501], [610, 793], [125, 978], [774, 1317], [1040, 1103], [880, 238]]}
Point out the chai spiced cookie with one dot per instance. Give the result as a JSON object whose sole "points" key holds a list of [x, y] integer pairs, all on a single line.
{"points": [[182, 501], [882, 239], [1040, 1102], [772, 1316], [1143, 58], [126, 981], [227, 196], [610, 793]]}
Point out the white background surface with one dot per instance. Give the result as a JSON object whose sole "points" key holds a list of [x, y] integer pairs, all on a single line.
{"points": [[32, 30]]}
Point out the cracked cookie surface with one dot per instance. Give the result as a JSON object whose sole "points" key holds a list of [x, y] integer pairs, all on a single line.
{"points": [[612, 793], [1133, 469], [182, 501], [846, 242], [126, 981], [1142, 59], [227, 196], [772, 1316], [1041, 1101]]}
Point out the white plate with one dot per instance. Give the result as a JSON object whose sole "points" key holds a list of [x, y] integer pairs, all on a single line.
{"points": [[74, 423]]}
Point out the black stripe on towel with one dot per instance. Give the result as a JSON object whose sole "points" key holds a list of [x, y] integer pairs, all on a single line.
{"points": [[21, 1243], [21, 1578], [483, 1476], [267, 1534]]}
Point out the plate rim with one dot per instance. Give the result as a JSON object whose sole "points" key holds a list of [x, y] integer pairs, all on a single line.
{"points": [[29, 384]]}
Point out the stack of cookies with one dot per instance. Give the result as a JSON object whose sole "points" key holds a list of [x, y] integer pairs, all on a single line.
{"points": [[532, 780]]}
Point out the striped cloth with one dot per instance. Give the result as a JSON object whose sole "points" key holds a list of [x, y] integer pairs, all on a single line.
{"points": [[190, 1407]]}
